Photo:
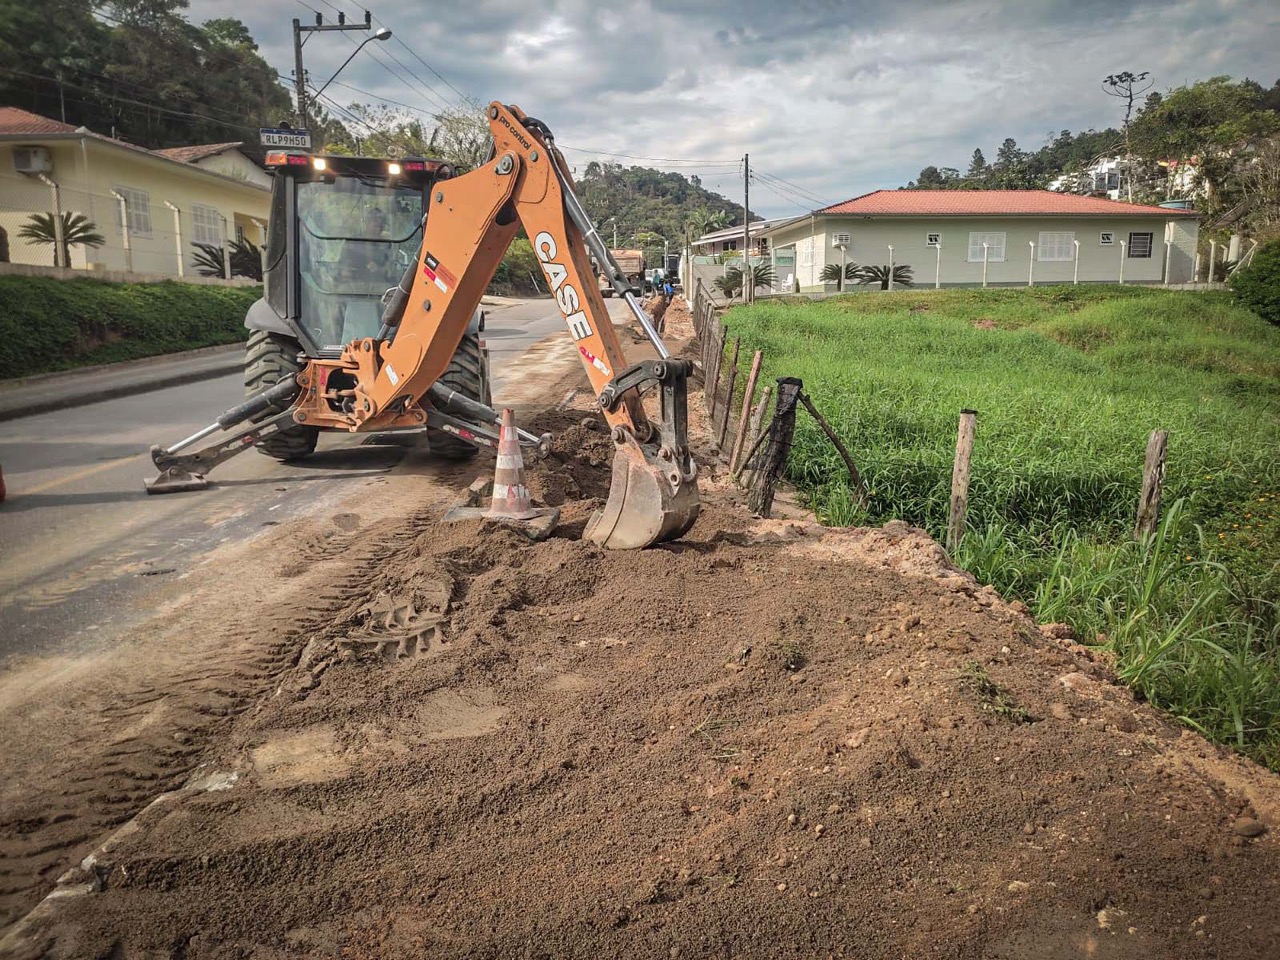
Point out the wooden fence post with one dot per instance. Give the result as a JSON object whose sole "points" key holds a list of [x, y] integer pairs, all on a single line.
{"points": [[781, 431], [855, 478], [748, 396], [960, 478], [728, 395], [1152, 485], [717, 361], [757, 418]]}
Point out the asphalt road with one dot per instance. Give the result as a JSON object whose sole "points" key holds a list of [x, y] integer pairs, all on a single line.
{"points": [[81, 541]]}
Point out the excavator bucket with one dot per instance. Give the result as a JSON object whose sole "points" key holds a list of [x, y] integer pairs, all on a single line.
{"points": [[650, 501]]}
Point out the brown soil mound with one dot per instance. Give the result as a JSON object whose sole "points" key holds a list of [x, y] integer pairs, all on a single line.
{"points": [[766, 740]]}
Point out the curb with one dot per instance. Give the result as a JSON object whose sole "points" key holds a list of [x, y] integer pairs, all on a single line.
{"points": [[12, 407]]}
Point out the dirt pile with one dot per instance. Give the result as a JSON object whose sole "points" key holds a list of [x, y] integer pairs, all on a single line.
{"points": [[766, 740]]}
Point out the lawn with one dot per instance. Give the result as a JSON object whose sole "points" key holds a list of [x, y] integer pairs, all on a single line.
{"points": [[1068, 382]]}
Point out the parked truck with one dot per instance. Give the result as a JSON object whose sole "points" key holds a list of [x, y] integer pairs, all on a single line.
{"points": [[631, 262]]}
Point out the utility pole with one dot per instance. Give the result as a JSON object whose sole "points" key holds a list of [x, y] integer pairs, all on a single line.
{"points": [[300, 78], [748, 287], [299, 74]]}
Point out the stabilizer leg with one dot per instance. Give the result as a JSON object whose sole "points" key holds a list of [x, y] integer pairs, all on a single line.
{"points": [[182, 472]]}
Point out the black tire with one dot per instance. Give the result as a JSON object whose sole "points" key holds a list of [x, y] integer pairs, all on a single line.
{"points": [[268, 359], [466, 375]]}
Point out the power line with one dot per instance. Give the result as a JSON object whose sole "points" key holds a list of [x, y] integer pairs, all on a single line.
{"points": [[795, 187], [672, 160], [137, 103], [790, 195], [413, 53], [790, 200], [427, 88], [376, 96]]}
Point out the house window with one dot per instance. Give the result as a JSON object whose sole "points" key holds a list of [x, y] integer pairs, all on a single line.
{"points": [[137, 205], [730, 245], [1056, 246], [995, 247], [1140, 246], [1107, 238], [933, 239], [805, 252], [206, 224]]}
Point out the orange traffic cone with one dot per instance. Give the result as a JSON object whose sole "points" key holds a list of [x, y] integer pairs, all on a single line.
{"points": [[510, 496], [511, 503]]}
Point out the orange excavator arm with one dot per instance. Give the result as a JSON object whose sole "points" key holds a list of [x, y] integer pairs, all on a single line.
{"points": [[392, 381], [470, 223]]}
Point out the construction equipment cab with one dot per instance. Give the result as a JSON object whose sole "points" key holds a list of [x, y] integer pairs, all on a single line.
{"points": [[342, 232], [374, 274]]}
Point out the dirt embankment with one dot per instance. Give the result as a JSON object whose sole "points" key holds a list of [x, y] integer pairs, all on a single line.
{"points": [[766, 740]]}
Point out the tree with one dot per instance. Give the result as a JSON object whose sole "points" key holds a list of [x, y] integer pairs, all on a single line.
{"points": [[1125, 86], [1257, 286], [1210, 126], [245, 257], [831, 273], [462, 137], [1259, 179], [870, 274], [977, 166], [730, 282], [77, 231], [929, 179]]}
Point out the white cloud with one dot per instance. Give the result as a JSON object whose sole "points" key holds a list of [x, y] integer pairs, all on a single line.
{"points": [[838, 96]]}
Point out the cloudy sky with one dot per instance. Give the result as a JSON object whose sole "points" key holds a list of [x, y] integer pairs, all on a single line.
{"points": [[835, 97]]}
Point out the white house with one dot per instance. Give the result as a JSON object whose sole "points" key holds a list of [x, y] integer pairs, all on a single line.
{"points": [[991, 238], [151, 207], [730, 238]]}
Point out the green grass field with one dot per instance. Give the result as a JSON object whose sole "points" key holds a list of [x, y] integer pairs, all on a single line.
{"points": [[1068, 383]]}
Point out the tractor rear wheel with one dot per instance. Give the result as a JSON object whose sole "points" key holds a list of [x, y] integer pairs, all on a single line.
{"points": [[466, 375], [270, 358]]}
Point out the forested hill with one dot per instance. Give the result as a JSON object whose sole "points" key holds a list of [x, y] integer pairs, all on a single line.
{"points": [[138, 70], [647, 201], [1220, 126]]}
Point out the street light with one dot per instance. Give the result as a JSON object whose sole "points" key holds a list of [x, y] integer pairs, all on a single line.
{"points": [[381, 34], [614, 221]]}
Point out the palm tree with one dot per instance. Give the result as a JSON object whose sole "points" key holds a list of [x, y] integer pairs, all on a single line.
{"points": [[246, 259], [880, 274], [730, 283], [77, 231], [831, 274], [702, 221], [208, 259]]}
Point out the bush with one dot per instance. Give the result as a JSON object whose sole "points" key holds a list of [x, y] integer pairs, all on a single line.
{"points": [[49, 324], [1257, 286]]}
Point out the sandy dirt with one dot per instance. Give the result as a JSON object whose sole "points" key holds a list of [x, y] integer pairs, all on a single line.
{"points": [[767, 740]]}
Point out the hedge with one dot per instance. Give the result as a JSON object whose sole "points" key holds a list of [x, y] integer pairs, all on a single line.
{"points": [[49, 324], [1257, 286]]}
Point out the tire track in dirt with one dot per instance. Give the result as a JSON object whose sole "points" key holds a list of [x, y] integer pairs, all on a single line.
{"points": [[132, 740]]}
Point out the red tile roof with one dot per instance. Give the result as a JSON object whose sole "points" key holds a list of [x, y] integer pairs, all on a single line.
{"points": [[197, 152], [1004, 203], [15, 120]]}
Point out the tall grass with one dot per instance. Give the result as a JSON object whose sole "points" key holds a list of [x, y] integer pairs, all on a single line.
{"points": [[1068, 383]]}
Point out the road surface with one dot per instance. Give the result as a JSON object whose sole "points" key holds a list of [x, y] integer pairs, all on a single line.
{"points": [[80, 540]]}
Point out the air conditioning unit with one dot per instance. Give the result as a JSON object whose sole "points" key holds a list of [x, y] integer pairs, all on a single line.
{"points": [[840, 239], [32, 160]]}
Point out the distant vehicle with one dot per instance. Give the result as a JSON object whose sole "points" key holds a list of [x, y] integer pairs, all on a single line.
{"points": [[631, 263]]}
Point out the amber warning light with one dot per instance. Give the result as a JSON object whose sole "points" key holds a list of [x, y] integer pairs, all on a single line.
{"points": [[287, 159]]}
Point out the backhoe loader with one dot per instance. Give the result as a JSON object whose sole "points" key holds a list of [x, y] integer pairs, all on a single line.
{"points": [[335, 346]]}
